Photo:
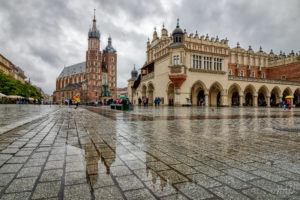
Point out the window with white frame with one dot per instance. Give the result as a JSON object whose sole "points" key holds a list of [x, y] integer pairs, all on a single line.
{"points": [[176, 60], [263, 75], [253, 74], [242, 73]]}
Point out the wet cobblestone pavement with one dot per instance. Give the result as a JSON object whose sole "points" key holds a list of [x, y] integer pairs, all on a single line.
{"points": [[153, 153]]}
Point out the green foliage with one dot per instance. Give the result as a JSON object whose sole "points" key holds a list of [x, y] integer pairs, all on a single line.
{"points": [[10, 86]]}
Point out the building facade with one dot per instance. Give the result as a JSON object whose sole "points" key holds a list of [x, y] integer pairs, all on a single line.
{"points": [[87, 79], [10, 69], [199, 70]]}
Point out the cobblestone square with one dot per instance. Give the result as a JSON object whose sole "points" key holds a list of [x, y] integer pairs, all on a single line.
{"points": [[150, 153]]}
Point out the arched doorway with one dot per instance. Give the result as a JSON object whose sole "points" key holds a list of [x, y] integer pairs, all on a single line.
{"points": [[233, 95], [150, 94], [286, 92], [249, 95], [171, 95], [297, 97], [198, 92], [275, 97], [215, 94], [262, 96], [235, 99], [249, 99], [201, 98]]}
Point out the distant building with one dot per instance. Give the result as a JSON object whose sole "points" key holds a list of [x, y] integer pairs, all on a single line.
{"points": [[87, 79], [10, 69], [122, 92], [184, 68]]}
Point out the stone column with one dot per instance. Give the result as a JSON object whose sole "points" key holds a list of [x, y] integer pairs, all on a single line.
{"points": [[255, 100], [206, 100], [268, 101], [177, 96], [280, 100], [241, 100]]}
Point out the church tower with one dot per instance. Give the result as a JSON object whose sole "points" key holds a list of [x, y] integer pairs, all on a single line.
{"points": [[93, 64]]}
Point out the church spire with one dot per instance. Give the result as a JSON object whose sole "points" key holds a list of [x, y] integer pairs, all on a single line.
{"points": [[94, 32]]}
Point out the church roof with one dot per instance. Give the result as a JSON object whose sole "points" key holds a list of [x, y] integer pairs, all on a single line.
{"points": [[73, 69], [70, 87]]}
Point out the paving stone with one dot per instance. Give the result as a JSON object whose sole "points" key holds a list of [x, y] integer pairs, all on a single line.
{"points": [[227, 193], [208, 170], [6, 178], [46, 190], [268, 175], [157, 166], [135, 164], [204, 180], [129, 182], [259, 194], [54, 164], [51, 175], [35, 162], [10, 168], [101, 180], [232, 182], [146, 174], [139, 194], [274, 188], [81, 191], [17, 160], [161, 188], [16, 196], [109, 193], [174, 197], [29, 172], [172, 176], [120, 171], [193, 191], [240, 174], [184, 169], [21, 185]]}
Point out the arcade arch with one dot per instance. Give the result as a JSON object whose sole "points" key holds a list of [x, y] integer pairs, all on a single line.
{"points": [[275, 96], [199, 93], [234, 95], [249, 96], [150, 91], [215, 94], [263, 96], [297, 97], [171, 94]]}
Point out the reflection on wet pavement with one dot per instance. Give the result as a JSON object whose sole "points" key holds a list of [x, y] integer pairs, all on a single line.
{"points": [[154, 153]]}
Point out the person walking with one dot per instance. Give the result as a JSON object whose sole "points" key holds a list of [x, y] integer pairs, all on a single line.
{"points": [[158, 101]]}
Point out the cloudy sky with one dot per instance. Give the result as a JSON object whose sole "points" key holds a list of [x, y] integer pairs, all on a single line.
{"points": [[43, 36]]}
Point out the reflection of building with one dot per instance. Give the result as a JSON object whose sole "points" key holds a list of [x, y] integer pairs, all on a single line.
{"points": [[87, 78], [201, 70], [10, 69]]}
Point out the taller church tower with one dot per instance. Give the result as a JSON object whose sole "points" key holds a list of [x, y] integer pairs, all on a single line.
{"points": [[93, 64]]}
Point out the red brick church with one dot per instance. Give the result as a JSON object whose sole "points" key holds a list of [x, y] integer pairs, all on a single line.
{"points": [[88, 79]]}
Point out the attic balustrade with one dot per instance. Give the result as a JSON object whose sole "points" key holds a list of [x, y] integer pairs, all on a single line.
{"points": [[262, 80]]}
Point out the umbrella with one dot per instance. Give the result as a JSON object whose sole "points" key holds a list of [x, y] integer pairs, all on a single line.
{"points": [[13, 97], [2, 95], [289, 97], [122, 97]]}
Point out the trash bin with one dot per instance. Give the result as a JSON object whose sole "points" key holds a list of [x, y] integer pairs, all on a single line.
{"points": [[125, 103]]}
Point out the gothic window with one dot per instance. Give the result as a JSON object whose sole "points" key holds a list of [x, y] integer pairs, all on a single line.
{"points": [[104, 59], [112, 59], [253, 74], [263, 75]]}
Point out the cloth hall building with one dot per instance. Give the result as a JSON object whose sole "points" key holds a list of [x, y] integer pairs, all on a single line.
{"points": [[199, 70], [93, 80]]}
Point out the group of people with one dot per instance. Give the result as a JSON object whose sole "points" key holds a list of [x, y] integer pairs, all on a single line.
{"points": [[145, 101]]}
